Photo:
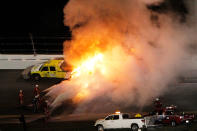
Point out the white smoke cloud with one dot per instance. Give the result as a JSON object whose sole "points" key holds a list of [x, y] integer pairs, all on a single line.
{"points": [[162, 52]]}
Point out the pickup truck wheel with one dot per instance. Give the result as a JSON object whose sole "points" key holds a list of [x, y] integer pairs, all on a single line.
{"points": [[100, 128], [134, 127], [36, 77], [173, 123]]}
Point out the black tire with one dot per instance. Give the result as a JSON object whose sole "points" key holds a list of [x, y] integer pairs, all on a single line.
{"points": [[100, 128], [134, 127], [36, 77], [173, 123]]}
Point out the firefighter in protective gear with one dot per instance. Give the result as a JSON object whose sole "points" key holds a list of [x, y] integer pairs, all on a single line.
{"points": [[21, 97], [36, 90], [35, 103], [158, 106]]}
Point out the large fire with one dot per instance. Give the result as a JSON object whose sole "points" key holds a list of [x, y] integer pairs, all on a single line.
{"points": [[122, 54], [87, 67]]}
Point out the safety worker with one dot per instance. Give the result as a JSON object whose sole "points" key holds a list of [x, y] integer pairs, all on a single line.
{"points": [[46, 111], [138, 115], [21, 97], [46, 108], [36, 90], [158, 107], [35, 103], [157, 103], [23, 122]]}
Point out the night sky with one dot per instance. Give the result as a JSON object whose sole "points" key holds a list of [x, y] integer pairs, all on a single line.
{"points": [[45, 17], [41, 18]]}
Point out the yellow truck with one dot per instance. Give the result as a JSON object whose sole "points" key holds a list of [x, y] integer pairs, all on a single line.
{"points": [[50, 69]]}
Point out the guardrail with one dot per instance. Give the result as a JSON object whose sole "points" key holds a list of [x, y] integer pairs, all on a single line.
{"points": [[23, 61]]}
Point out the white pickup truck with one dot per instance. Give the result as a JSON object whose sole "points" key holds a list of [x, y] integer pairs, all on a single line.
{"points": [[120, 121]]}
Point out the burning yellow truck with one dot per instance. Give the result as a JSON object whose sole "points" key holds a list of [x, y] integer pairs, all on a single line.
{"points": [[50, 69]]}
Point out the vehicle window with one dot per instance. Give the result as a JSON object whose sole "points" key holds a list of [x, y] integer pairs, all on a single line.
{"points": [[116, 117], [52, 68], [109, 118], [125, 116], [45, 68]]}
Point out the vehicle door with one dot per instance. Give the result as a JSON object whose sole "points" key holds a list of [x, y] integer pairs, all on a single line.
{"points": [[112, 122], [64, 74], [126, 121], [117, 122], [166, 120], [167, 117], [61, 74], [107, 122], [52, 72], [44, 71]]}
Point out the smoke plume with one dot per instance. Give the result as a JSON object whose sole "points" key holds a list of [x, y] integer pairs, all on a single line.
{"points": [[145, 45]]}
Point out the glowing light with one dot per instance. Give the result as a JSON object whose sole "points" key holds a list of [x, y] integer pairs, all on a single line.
{"points": [[85, 69], [88, 66], [117, 112]]}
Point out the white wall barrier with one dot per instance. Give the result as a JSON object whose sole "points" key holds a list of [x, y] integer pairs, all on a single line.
{"points": [[23, 61]]}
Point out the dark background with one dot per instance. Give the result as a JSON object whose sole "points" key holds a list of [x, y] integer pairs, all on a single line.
{"points": [[43, 20], [45, 17]]}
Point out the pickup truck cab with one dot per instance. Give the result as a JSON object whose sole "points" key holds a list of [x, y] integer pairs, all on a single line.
{"points": [[120, 121]]}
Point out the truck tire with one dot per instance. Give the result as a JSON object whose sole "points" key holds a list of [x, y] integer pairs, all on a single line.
{"points": [[36, 77], [100, 128], [173, 123], [134, 127]]}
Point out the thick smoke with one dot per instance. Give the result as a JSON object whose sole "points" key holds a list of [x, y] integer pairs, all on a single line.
{"points": [[146, 43]]}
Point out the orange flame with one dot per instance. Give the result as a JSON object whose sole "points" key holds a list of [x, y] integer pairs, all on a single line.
{"points": [[87, 67]]}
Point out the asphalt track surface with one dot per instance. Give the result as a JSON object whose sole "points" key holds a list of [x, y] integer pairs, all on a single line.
{"points": [[183, 94]]}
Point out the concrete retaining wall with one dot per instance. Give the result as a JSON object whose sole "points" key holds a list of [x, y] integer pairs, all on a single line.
{"points": [[23, 61]]}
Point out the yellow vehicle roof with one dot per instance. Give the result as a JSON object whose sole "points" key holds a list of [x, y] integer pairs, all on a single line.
{"points": [[53, 62], [61, 64]]}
